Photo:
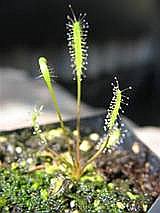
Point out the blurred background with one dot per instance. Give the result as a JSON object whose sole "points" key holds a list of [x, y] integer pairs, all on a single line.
{"points": [[123, 39]]}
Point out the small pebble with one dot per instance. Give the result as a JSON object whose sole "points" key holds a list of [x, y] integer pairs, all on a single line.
{"points": [[3, 139], [94, 137], [18, 149], [29, 160], [75, 133], [72, 204], [76, 211], [85, 146], [10, 149], [136, 148]]}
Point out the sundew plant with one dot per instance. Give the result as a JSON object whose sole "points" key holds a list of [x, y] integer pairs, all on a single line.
{"points": [[77, 29]]}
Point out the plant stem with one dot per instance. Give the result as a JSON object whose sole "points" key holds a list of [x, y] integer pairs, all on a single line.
{"points": [[35, 168], [52, 153], [52, 93], [54, 99], [47, 78], [78, 166], [55, 156], [103, 146]]}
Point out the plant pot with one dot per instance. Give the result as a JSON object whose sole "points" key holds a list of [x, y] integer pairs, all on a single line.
{"points": [[130, 143]]}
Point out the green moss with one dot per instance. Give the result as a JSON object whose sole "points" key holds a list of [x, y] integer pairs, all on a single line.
{"points": [[3, 201], [35, 193]]}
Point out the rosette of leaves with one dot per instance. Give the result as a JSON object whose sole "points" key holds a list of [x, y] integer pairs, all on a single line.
{"points": [[77, 29]]}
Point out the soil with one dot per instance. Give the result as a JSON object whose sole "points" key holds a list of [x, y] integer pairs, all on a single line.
{"points": [[119, 182]]}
